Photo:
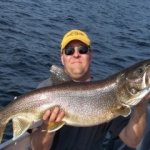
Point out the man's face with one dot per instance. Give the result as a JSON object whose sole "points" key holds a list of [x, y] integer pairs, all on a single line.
{"points": [[77, 65]]}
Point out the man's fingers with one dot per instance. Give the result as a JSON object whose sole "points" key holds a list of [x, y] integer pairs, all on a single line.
{"points": [[46, 115], [54, 114], [148, 96], [60, 116]]}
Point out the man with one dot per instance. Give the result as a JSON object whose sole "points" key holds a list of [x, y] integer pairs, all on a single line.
{"points": [[76, 57]]}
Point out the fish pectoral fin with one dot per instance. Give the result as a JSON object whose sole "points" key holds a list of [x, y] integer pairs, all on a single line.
{"points": [[121, 110], [54, 126], [20, 125]]}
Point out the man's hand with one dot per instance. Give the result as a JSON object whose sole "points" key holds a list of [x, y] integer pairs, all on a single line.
{"points": [[133, 132], [45, 139], [144, 101], [53, 116]]}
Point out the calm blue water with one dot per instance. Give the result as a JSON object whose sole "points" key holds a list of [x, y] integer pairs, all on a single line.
{"points": [[31, 32]]}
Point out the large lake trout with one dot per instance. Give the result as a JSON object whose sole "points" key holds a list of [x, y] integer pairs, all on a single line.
{"points": [[84, 104]]}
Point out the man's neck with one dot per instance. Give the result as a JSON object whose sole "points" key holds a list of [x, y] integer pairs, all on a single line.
{"points": [[83, 80]]}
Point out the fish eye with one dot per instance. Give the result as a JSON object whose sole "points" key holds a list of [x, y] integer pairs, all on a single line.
{"points": [[140, 70]]}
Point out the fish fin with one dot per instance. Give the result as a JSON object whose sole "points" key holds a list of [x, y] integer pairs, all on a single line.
{"points": [[54, 126], [20, 125], [3, 124], [58, 75], [121, 110], [2, 129]]}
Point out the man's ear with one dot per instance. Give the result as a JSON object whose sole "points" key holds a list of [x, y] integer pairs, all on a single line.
{"points": [[91, 57], [62, 61]]}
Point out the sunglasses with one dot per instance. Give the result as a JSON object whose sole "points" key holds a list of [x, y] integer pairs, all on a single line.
{"points": [[81, 50]]}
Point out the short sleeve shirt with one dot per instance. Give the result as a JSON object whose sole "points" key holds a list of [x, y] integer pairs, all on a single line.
{"points": [[87, 138]]}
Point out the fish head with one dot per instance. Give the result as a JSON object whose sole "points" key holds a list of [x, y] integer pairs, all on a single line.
{"points": [[133, 83]]}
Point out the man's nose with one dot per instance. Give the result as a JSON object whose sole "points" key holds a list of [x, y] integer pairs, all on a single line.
{"points": [[76, 52]]}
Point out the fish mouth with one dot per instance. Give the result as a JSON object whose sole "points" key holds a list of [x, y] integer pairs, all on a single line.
{"points": [[146, 78], [137, 97], [137, 94]]}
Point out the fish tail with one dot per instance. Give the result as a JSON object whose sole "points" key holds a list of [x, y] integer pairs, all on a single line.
{"points": [[3, 123]]}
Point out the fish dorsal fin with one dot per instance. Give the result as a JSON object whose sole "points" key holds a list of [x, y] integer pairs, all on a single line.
{"points": [[121, 110], [20, 125], [58, 75], [54, 126]]}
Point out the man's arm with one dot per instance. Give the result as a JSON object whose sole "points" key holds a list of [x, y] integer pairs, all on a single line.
{"points": [[43, 140], [133, 132]]}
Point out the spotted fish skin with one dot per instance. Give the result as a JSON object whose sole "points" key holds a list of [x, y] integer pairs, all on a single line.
{"points": [[84, 104]]}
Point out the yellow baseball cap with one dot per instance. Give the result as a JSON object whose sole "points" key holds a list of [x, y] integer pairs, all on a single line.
{"points": [[74, 35]]}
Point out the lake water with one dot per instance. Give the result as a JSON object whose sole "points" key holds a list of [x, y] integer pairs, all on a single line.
{"points": [[31, 32]]}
